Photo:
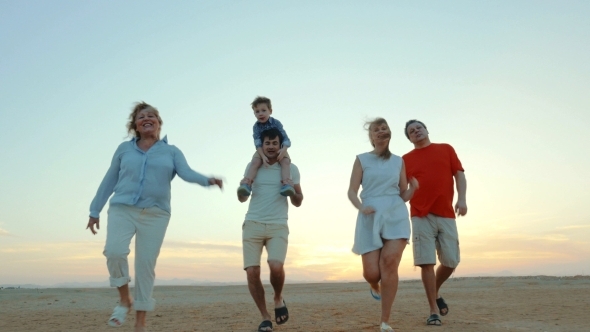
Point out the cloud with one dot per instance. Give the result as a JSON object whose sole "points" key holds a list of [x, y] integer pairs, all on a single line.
{"points": [[556, 253], [573, 227], [4, 232], [202, 246], [54, 262]]}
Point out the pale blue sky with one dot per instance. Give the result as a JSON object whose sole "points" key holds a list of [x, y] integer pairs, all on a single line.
{"points": [[504, 82]]}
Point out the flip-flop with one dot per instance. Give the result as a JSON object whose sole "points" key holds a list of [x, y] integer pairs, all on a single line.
{"points": [[282, 311], [434, 320], [440, 302], [265, 324], [375, 295], [118, 317]]}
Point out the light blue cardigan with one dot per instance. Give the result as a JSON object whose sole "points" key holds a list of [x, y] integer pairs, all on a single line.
{"points": [[142, 179]]}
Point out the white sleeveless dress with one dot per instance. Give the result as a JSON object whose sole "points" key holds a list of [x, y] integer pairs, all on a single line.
{"points": [[380, 189]]}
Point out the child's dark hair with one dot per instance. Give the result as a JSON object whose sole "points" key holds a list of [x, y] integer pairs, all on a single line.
{"points": [[261, 100]]}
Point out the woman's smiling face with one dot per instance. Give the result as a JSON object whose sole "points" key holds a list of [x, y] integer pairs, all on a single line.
{"points": [[147, 123]]}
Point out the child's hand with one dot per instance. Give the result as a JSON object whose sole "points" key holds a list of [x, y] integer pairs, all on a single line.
{"points": [[282, 153], [265, 161]]}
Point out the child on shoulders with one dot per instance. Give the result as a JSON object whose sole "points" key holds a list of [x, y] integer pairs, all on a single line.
{"points": [[262, 110]]}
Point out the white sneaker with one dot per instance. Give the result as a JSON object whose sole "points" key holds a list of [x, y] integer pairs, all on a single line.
{"points": [[386, 328]]}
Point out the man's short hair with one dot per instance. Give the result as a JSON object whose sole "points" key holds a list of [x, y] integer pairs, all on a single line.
{"points": [[272, 133], [409, 123]]}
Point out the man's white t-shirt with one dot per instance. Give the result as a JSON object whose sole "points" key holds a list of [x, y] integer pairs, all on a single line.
{"points": [[267, 205]]}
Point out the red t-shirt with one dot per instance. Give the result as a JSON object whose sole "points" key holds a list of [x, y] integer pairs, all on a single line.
{"points": [[434, 167]]}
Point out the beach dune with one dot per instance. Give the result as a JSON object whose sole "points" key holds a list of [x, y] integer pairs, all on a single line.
{"points": [[476, 304]]}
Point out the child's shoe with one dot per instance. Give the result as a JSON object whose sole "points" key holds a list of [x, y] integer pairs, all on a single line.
{"points": [[244, 190], [287, 190]]}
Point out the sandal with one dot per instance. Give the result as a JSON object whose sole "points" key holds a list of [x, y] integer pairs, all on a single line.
{"points": [[434, 320], [265, 325], [282, 311], [386, 328], [440, 302], [375, 295], [118, 317]]}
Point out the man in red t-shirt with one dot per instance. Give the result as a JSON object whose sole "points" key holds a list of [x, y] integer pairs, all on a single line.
{"points": [[431, 208]]}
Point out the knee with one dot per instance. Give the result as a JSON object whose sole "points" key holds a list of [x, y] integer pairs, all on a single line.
{"points": [[285, 161], [391, 261], [253, 273], [113, 253], [427, 267], [275, 267], [372, 275]]}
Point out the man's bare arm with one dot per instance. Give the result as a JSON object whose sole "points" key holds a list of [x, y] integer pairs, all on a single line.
{"points": [[461, 183], [297, 199]]}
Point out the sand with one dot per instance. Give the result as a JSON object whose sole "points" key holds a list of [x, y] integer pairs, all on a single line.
{"points": [[476, 304]]}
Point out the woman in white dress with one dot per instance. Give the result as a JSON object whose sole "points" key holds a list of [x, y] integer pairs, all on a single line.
{"points": [[383, 225]]}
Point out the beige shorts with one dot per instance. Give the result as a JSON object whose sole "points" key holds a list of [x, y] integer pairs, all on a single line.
{"points": [[257, 155], [433, 235], [256, 235]]}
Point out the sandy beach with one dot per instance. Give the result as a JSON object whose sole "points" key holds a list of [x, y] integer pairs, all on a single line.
{"points": [[476, 304]]}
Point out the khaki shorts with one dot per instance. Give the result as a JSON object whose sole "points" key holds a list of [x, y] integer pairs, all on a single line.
{"points": [[256, 235], [257, 155], [433, 235]]}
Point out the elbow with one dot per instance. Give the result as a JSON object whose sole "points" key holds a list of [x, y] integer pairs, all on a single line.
{"points": [[352, 195]]}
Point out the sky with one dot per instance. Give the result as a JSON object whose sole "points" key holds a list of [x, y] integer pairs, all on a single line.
{"points": [[504, 82]]}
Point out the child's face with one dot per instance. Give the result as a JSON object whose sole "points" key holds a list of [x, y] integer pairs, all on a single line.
{"points": [[262, 112]]}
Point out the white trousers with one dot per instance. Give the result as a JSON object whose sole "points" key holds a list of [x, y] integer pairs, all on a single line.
{"points": [[149, 225]]}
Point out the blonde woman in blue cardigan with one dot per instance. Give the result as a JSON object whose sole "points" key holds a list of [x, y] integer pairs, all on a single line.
{"points": [[139, 181]]}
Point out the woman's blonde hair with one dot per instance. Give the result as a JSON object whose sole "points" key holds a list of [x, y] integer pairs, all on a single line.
{"points": [[376, 122], [140, 106]]}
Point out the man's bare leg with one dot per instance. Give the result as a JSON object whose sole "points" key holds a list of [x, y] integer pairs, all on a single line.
{"points": [[429, 282], [442, 274], [257, 291], [277, 280]]}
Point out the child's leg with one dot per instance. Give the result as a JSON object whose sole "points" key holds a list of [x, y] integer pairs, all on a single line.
{"points": [[253, 170], [285, 170]]}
